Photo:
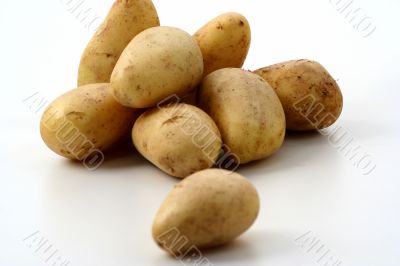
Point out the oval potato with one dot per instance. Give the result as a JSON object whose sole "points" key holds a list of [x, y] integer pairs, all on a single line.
{"points": [[247, 112], [84, 120], [157, 63], [124, 21], [179, 139], [224, 42], [207, 209], [309, 95]]}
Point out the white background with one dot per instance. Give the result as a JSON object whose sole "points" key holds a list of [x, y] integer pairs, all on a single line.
{"points": [[104, 217]]}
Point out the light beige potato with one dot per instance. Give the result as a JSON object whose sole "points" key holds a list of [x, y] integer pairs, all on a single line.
{"points": [[124, 21], [207, 209], [157, 63], [247, 112], [179, 139], [224, 42], [309, 95], [85, 120]]}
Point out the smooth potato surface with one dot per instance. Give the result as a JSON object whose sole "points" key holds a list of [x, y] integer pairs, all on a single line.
{"points": [[85, 119], [124, 21], [309, 95], [247, 112], [179, 139], [157, 63], [224, 42], [207, 209]]}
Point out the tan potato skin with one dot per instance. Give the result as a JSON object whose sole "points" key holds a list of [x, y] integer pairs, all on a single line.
{"points": [[85, 119], [247, 112], [157, 63], [224, 42], [309, 95], [209, 208], [179, 139], [124, 21]]}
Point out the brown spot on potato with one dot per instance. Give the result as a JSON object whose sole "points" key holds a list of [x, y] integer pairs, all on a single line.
{"points": [[144, 145], [172, 119], [65, 152], [168, 163], [75, 115]]}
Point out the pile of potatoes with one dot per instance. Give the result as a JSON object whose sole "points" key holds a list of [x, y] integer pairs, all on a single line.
{"points": [[188, 107]]}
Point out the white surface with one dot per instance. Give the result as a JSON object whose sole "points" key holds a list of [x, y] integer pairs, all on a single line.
{"points": [[104, 217]]}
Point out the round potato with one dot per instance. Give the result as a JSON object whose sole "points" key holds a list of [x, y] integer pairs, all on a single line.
{"points": [[224, 42], [207, 209], [247, 112], [309, 95], [124, 21], [157, 63], [85, 120], [180, 139]]}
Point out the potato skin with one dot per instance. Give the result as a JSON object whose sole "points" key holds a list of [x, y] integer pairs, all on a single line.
{"points": [[85, 119], [124, 21], [179, 139], [209, 208], [309, 95], [247, 112], [224, 42], [157, 63]]}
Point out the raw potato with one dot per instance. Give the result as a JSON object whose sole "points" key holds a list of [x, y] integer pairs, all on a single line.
{"points": [[207, 209], [84, 120], [309, 95], [224, 42], [180, 139], [124, 21], [157, 63], [247, 112]]}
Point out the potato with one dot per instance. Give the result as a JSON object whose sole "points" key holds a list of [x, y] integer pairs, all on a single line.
{"points": [[124, 21], [180, 139], [247, 112], [309, 95], [157, 63], [207, 209], [224, 42], [84, 120]]}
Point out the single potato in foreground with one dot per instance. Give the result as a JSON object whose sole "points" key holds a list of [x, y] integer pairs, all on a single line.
{"points": [[85, 120], [124, 21], [309, 95], [247, 112], [207, 209], [157, 63], [180, 139], [224, 42]]}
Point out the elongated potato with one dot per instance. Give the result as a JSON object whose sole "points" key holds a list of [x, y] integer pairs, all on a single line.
{"points": [[224, 42], [180, 139], [207, 209], [310, 96], [157, 63], [247, 112], [124, 21], [84, 120]]}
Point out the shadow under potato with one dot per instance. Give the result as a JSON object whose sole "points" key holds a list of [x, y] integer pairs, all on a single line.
{"points": [[298, 149], [243, 249], [122, 156], [247, 246], [290, 134]]}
